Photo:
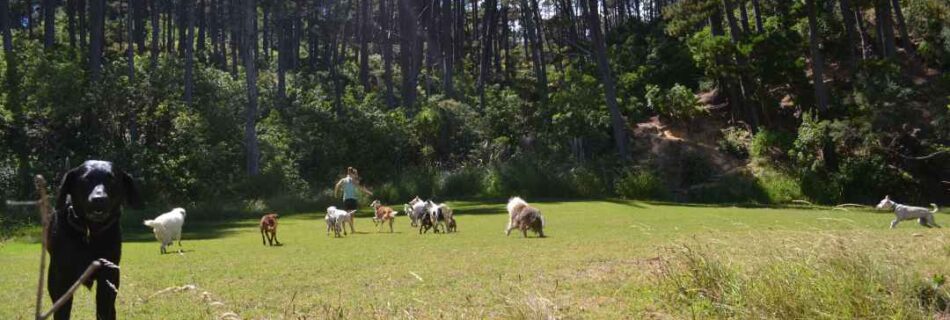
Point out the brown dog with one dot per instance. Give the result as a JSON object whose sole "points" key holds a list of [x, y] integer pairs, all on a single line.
{"points": [[269, 229], [523, 216], [383, 214]]}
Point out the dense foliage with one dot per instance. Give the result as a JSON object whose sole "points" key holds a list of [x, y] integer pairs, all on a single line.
{"points": [[515, 107]]}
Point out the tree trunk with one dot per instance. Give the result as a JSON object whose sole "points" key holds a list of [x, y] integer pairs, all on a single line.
{"points": [[130, 57], [49, 23], [5, 29], [885, 28], [847, 16], [817, 60], [744, 16], [488, 29], [535, 46], [408, 52], [448, 47], [363, 34], [757, 11], [385, 18], [266, 8], [155, 32], [236, 25], [188, 10], [71, 22], [82, 27], [283, 31], [96, 37], [867, 46], [202, 26], [752, 117], [138, 20], [250, 68], [902, 27], [610, 95]]}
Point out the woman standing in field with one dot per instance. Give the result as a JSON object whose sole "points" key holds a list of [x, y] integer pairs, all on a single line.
{"points": [[350, 184]]}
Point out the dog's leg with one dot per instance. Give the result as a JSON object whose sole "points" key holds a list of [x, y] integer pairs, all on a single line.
{"points": [[391, 225], [105, 293], [894, 223], [58, 282], [262, 237], [923, 222], [931, 222], [352, 230]]}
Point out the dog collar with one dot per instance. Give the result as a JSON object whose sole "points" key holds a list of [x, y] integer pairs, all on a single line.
{"points": [[79, 225]]}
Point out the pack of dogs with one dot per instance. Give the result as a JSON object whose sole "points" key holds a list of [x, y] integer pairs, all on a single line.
{"points": [[84, 227]]}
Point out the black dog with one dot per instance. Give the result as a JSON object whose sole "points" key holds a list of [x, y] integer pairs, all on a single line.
{"points": [[85, 228]]}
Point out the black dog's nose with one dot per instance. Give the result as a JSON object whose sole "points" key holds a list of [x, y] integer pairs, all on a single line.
{"points": [[98, 195]]}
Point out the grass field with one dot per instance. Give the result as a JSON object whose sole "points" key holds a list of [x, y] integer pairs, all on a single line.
{"points": [[602, 260]]}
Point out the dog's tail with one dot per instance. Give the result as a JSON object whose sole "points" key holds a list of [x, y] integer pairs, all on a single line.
{"points": [[935, 208], [151, 223]]}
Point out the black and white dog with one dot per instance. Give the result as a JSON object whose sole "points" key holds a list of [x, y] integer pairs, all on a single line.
{"points": [[85, 228]]}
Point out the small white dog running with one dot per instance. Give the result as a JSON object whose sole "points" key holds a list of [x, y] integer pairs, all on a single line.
{"points": [[904, 212]]}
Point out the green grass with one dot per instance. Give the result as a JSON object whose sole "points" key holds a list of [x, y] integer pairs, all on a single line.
{"points": [[606, 260]]}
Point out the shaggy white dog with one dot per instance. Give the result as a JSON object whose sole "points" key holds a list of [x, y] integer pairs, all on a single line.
{"points": [[439, 214], [167, 227], [415, 209], [336, 220], [904, 212]]}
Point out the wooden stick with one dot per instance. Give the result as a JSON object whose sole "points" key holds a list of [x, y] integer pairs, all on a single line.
{"points": [[69, 293], [44, 219]]}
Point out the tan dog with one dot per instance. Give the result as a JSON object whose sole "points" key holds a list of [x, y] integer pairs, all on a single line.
{"points": [[383, 214], [269, 229], [523, 216]]}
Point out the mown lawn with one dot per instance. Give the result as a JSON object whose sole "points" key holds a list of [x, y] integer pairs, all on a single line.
{"points": [[601, 260]]}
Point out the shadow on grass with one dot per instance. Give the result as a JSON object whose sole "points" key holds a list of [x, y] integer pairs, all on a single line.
{"points": [[191, 231]]}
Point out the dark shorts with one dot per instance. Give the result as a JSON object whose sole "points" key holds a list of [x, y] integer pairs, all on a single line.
{"points": [[349, 204]]}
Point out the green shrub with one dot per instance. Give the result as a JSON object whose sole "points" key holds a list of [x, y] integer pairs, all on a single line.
{"points": [[641, 184], [738, 187], [678, 102], [735, 141], [586, 183], [778, 186], [770, 146], [464, 182]]}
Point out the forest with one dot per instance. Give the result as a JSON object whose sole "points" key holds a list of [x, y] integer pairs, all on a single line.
{"points": [[266, 102]]}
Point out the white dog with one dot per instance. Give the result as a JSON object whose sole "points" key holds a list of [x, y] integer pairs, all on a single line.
{"points": [[415, 209], [439, 213], [167, 227], [903, 212], [337, 219]]}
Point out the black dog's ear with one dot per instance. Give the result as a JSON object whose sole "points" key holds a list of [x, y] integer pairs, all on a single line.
{"points": [[64, 186], [132, 195]]}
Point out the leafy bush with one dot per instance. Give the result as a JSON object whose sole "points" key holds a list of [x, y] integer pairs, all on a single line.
{"points": [[678, 102], [464, 182], [770, 146], [778, 186], [738, 187], [641, 184], [735, 141]]}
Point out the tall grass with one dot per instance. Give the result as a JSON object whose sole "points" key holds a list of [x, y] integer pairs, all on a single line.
{"points": [[839, 283]]}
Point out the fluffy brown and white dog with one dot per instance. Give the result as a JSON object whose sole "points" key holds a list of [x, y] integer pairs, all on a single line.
{"points": [[523, 216], [269, 229], [383, 214]]}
